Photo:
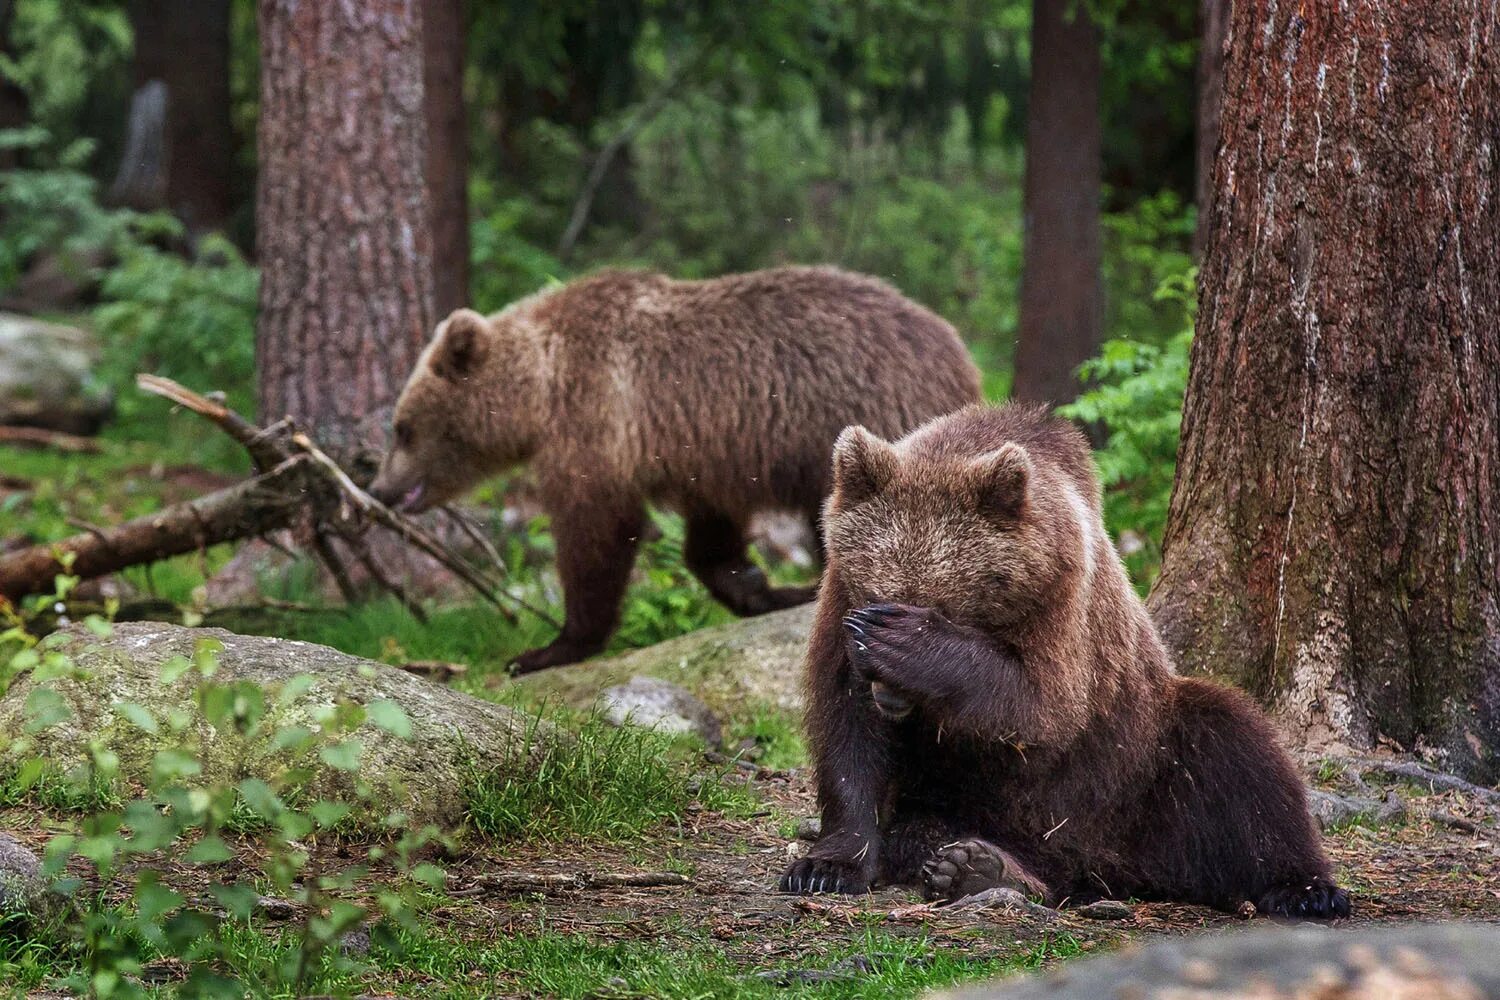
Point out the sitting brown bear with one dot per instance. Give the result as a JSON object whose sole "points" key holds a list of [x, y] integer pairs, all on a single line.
{"points": [[989, 703], [718, 398]]}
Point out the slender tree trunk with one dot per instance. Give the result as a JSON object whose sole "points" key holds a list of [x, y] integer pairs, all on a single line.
{"points": [[1333, 542], [447, 152], [1213, 24], [342, 218], [185, 45], [1061, 298]]}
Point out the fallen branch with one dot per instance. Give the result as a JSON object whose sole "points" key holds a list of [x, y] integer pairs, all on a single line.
{"points": [[38, 437], [520, 883], [299, 486], [1434, 780]]}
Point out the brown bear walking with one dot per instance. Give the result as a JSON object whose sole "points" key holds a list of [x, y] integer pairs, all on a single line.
{"points": [[717, 398], [989, 703]]}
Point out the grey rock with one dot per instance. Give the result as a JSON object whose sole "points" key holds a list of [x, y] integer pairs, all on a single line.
{"points": [[1332, 810], [741, 664], [1452, 961], [47, 377], [663, 706], [1105, 909], [451, 733], [1004, 898], [24, 891], [810, 828]]}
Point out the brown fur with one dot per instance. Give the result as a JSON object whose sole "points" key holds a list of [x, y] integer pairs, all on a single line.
{"points": [[717, 398], [981, 669]]}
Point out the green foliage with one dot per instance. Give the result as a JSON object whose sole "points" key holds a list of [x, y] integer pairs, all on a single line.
{"points": [[190, 320], [1136, 396], [606, 782], [180, 820], [669, 601]]}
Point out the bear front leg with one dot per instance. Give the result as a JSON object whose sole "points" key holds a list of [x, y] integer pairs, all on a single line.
{"points": [[851, 755], [715, 552], [961, 678], [595, 551]]}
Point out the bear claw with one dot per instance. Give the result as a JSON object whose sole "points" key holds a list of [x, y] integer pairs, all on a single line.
{"points": [[968, 866], [1316, 899], [816, 876]]}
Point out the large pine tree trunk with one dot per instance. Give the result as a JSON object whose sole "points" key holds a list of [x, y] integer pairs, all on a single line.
{"points": [[185, 45], [342, 221], [447, 152], [1061, 297], [1333, 542], [1213, 24]]}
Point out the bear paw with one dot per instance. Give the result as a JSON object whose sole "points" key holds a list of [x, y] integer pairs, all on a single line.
{"points": [[1315, 899], [809, 876], [969, 866]]}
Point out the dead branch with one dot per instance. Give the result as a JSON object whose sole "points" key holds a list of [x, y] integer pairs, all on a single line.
{"points": [[1434, 780], [38, 437], [298, 486], [520, 883]]}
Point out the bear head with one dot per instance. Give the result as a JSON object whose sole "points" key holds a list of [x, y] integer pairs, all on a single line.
{"points": [[472, 407], [985, 532]]}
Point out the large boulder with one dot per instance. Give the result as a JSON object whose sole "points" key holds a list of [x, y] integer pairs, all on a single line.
{"points": [[452, 733], [751, 661], [1431, 962], [47, 377]]}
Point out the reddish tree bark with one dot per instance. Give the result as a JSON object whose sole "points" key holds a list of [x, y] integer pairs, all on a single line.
{"points": [[447, 152], [1333, 542], [342, 219], [1213, 24], [1061, 297], [185, 45]]}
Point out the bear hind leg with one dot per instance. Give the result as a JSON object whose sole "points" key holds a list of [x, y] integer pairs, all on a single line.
{"points": [[715, 553]]}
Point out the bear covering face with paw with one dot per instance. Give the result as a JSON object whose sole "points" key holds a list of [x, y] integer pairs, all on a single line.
{"points": [[990, 705]]}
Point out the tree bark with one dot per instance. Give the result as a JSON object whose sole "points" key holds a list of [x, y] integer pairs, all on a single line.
{"points": [[1061, 297], [342, 219], [185, 45], [1333, 541], [447, 152], [1213, 24]]}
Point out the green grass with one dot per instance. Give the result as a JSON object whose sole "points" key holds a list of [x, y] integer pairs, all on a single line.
{"points": [[435, 962], [603, 783], [778, 733]]}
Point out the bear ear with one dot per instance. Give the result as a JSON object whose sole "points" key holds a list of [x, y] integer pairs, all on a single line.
{"points": [[461, 345], [1000, 479], [863, 464]]}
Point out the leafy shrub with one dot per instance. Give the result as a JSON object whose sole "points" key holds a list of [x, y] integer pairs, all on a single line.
{"points": [[1135, 394]]}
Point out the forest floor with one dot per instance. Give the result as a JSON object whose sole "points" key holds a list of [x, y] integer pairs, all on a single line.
{"points": [[723, 930]]}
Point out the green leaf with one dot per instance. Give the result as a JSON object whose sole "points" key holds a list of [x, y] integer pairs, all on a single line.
{"points": [[343, 755], [329, 814], [173, 669], [430, 875], [137, 716], [44, 709], [153, 900], [260, 797], [210, 850], [391, 717]]}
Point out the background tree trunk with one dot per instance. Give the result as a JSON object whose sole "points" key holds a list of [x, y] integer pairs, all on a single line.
{"points": [[1213, 24], [15, 107], [342, 219], [1333, 542], [185, 45], [447, 152], [1061, 298]]}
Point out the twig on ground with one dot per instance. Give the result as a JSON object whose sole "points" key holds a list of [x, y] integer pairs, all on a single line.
{"points": [[1434, 780], [518, 883]]}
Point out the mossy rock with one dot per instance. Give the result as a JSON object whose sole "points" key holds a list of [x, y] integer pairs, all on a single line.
{"points": [[751, 661], [424, 775]]}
